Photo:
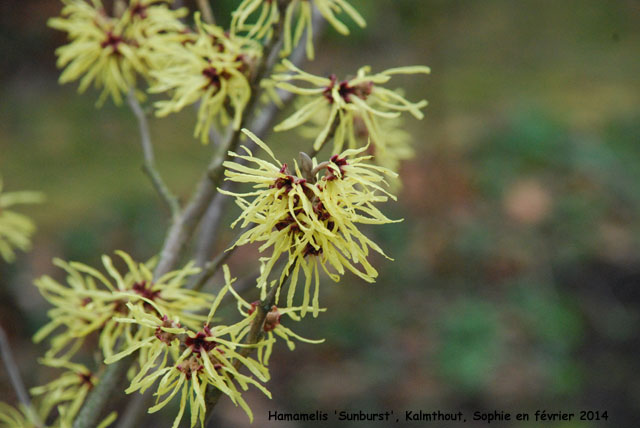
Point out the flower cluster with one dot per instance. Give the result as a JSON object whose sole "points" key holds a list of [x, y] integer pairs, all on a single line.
{"points": [[67, 392], [210, 67], [352, 109], [312, 221], [33, 417], [110, 50], [257, 17], [187, 361], [90, 301], [10, 417], [15, 229]]}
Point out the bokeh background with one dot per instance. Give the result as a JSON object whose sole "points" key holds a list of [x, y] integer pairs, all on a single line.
{"points": [[516, 280]]}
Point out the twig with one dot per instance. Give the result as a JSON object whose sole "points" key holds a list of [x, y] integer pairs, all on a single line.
{"points": [[207, 14], [14, 376], [185, 224], [101, 393], [149, 165], [212, 267], [131, 413], [212, 395]]}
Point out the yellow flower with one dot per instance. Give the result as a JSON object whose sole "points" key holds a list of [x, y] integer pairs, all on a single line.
{"points": [[349, 101], [187, 361], [211, 68], [110, 51], [68, 391], [99, 52], [10, 417], [153, 21], [15, 229], [298, 16], [90, 301], [312, 221]]}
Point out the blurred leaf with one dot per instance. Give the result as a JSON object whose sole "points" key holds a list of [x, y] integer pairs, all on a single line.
{"points": [[470, 346], [555, 323], [531, 143]]}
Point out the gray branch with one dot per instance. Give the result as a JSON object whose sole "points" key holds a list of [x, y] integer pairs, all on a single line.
{"points": [[149, 165], [14, 376], [96, 401]]}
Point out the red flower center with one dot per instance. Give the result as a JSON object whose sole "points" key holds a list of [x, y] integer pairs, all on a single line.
{"points": [[144, 291], [199, 342], [139, 10], [113, 41], [85, 378], [165, 336], [214, 77], [345, 90], [340, 163]]}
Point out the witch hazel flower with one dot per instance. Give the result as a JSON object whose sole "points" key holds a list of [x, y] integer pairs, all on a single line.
{"points": [[90, 301], [346, 102], [211, 67], [15, 229], [256, 18], [311, 219], [185, 361], [109, 50], [57, 403], [68, 391]]}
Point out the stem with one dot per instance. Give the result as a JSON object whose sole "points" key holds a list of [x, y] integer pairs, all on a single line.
{"points": [[100, 394], [185, 223], [149, 165], [14, 377], [212, 267], [212, 395], [207, 14]]}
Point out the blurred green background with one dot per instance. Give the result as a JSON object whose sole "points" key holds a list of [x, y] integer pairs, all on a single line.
{"points": [[516, 280]]}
